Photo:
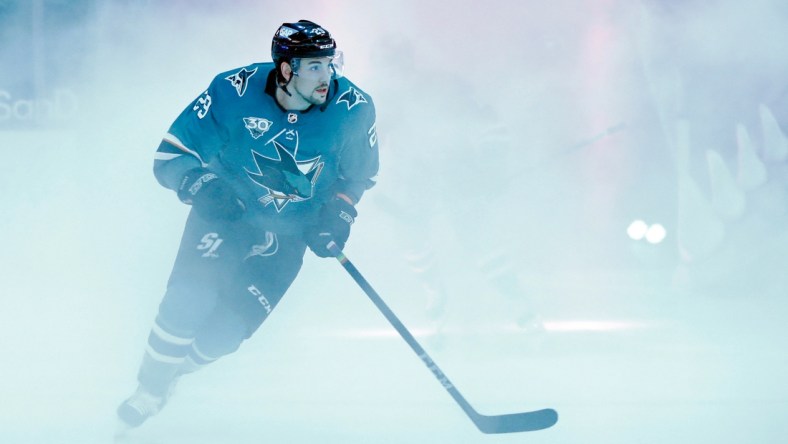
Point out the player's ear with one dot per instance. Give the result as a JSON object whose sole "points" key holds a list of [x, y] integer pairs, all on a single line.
{"points": [[285, 70]]}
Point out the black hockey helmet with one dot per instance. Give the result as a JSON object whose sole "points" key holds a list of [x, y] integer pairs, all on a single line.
{"points": [[301, 39]]}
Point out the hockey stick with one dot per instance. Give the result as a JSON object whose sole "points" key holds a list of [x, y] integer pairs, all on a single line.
{"points": [[509, 423]]}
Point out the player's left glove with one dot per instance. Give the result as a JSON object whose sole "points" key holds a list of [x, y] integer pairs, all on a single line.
{"points": [[211, 196], [334, 221]]}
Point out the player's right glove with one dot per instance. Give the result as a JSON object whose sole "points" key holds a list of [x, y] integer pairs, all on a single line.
{"points": [[336, 217], [211, 196]]}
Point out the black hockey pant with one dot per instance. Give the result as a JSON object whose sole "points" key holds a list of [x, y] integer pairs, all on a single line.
{"points": [[226, 280]]}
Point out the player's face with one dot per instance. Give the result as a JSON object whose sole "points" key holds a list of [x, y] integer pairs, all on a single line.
{"points": [[312, 78]]}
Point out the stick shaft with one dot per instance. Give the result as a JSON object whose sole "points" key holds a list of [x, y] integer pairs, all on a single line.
{"points": [[508, 423]]}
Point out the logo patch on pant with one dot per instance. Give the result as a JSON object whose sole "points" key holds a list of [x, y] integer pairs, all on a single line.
{"points": [[260, 298]]}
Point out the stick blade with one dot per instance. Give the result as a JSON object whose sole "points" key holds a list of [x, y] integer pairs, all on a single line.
{"points": [[516, 422]]}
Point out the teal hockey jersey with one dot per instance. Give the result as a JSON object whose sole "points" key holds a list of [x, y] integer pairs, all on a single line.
{"points": [[284, 164]]}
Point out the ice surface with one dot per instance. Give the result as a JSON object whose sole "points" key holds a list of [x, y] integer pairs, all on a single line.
{"points": [[631, 342]]}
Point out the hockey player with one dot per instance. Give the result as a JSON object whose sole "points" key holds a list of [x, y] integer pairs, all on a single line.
{"points": [[272, 157]]}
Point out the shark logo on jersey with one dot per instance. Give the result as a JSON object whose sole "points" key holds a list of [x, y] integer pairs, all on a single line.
{"points": [[257, 126], [286, 179], [241, 79], [351, 98]]}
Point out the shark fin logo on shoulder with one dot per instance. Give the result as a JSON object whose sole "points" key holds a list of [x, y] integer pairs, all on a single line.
{"points": [[351, 98], [241, 79]]}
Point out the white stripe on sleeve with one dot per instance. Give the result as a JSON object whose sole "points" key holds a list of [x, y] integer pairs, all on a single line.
{"points": [[171, 139], [165, 156]]}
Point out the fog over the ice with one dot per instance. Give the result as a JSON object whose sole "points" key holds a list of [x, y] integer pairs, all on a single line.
{"points": [[541, 130]]}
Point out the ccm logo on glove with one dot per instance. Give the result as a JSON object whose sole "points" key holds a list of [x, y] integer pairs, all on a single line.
{"points": [[212, 197], [347, 217], [333, 225], [195, 187]]}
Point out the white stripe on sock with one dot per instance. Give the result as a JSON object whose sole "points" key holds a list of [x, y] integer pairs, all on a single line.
{"points": [[163, 358], [201, 355], [169, 337]]}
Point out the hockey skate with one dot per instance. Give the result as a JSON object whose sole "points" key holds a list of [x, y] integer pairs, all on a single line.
{"points": [[139, 407]]}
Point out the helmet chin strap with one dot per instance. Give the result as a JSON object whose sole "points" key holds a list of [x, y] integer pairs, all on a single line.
{"points": [[284, 88]]}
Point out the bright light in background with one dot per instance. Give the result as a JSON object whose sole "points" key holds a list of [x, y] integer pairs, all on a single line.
{"points": [[563, 326], [589, 326], [639, 229], [656, 233]]}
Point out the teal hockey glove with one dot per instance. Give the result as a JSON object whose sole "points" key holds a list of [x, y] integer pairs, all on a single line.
{"points": [[334, 221], [211, 196]]}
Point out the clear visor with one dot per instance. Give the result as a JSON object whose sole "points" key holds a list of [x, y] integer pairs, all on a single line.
{"points": [[315, 68]]}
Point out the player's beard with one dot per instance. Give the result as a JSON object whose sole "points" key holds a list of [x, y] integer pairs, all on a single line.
{"points": [[314, 98]]}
